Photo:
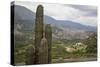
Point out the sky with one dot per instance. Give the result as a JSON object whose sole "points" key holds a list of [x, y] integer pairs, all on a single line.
{"points": [[83, 14]]}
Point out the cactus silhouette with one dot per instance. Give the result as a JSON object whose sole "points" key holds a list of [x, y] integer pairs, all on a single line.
{"points": [[30, 55], [38, 31], [48, 35]]}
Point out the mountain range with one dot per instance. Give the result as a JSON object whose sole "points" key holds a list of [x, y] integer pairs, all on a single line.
{"points": [[24, 20]]}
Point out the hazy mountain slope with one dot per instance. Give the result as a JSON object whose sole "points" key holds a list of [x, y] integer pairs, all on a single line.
{"points": [[25, 20]]}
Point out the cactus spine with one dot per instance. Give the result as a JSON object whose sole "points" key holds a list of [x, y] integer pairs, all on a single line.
{"points": [[38, 31], [48, 35]]}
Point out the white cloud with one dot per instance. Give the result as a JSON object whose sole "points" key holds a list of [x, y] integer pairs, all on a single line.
{"points": [[63, 12]]}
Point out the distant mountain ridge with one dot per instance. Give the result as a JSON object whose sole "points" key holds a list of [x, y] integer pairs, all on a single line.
{"points": [[26, 18], [22, 13]]}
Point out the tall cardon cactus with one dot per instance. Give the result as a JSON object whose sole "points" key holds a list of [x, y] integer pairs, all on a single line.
{"points": [[38, 31], [41, 54]]}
